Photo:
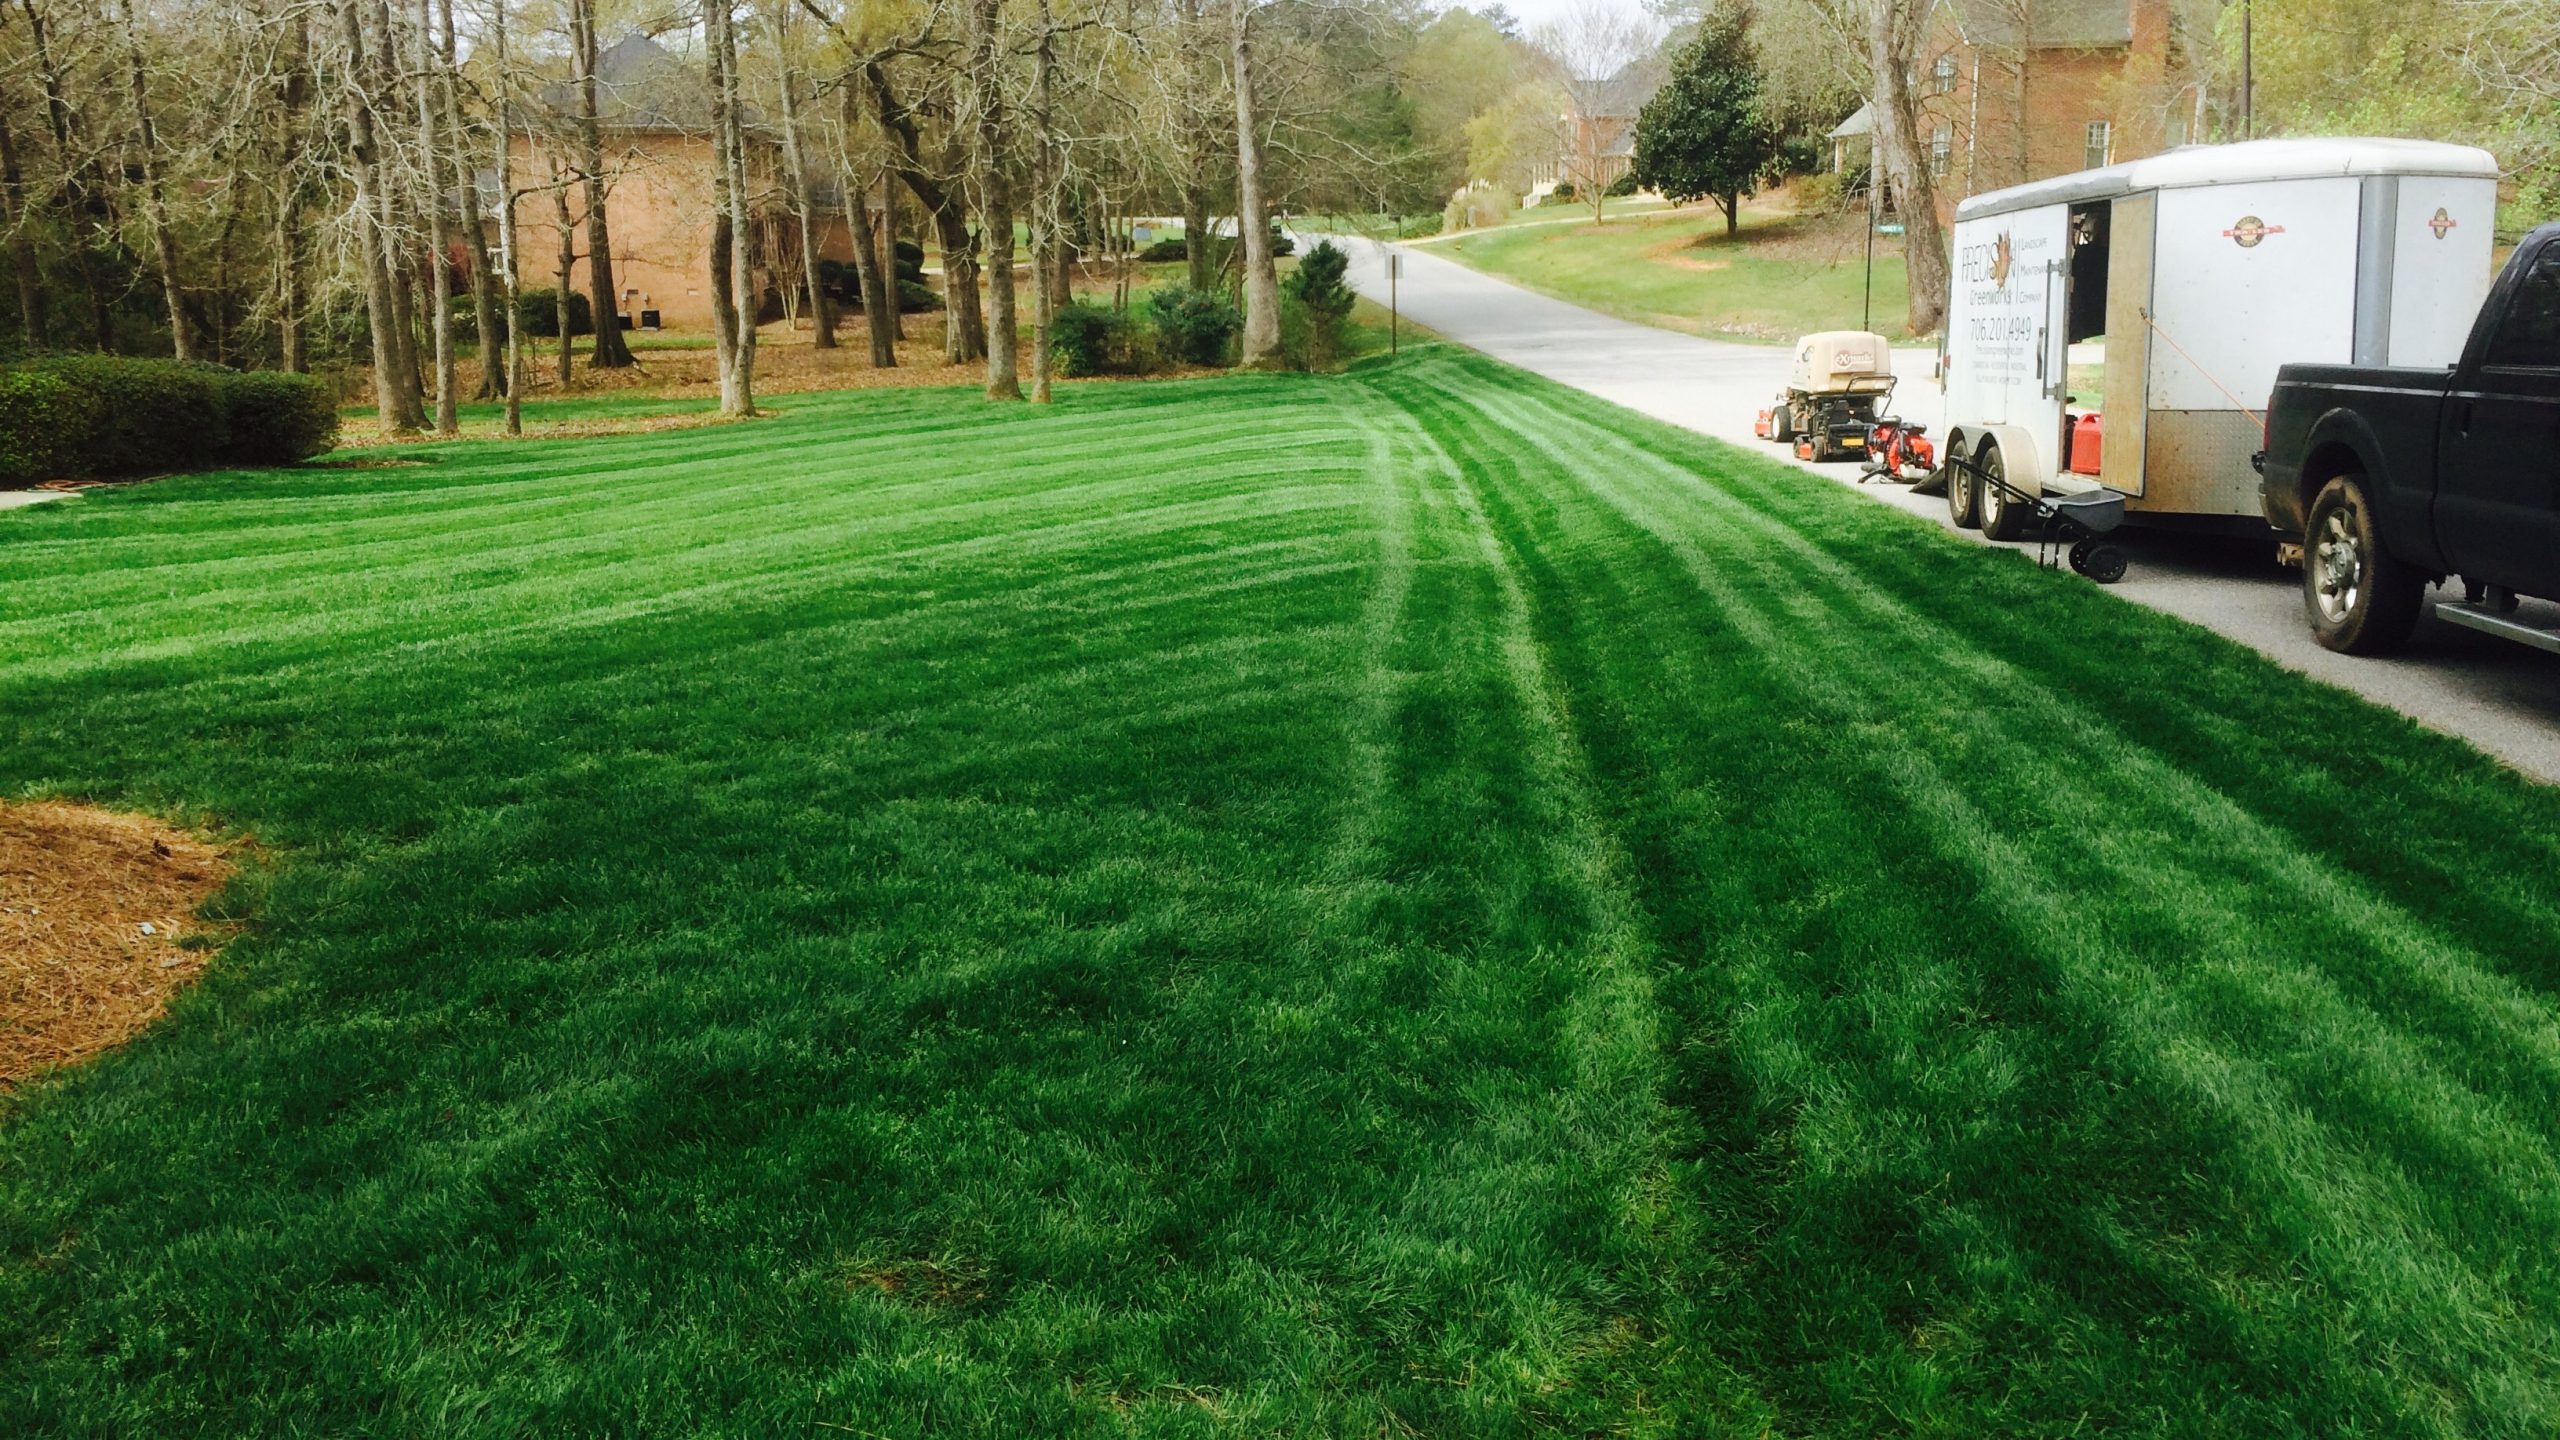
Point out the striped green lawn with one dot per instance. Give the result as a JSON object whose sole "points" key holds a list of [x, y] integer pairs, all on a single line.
{"points": [[1411, 903]]}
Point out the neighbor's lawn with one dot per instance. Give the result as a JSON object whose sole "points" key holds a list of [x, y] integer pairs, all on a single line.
{"points": [[1409, 903], [1783, 277]]}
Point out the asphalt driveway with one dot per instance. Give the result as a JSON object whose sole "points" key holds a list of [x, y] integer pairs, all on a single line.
{"points": [[2503, 697]]}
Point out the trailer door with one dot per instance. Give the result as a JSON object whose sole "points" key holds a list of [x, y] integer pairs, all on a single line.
{"points": [[2010, 365]]}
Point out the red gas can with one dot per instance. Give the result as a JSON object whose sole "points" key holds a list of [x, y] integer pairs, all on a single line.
{"points": [[2085, 445]]}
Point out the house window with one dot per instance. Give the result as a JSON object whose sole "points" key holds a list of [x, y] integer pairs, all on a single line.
{"points": [[1943, 77], [1942, 148], [2101, 142]]}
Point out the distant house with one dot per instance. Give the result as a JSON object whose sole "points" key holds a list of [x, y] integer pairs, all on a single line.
{"points": [[655, 115], [2019, 90], [1596, 134]]}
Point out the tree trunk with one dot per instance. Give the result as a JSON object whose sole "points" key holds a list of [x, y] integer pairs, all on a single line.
{"points": [[1261, 273], [22, 249], [887, 237], [995, 199], [869, 271], [466, 193], [506, 276], [568, 264], [398, 264], [965, 328], [439, 232], [738, 367], [611, 351], [1732, 216], [1894, 40], [155, 205], [291, 298], [395, 409], [822, 316], [1044, 209]]}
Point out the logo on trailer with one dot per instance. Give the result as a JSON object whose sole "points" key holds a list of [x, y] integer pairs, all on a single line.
{"points": [[2441, 223], [2001, 259], [2248, 230]]}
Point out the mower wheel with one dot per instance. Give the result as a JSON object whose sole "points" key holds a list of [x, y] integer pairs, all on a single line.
{"points": [[1782, 423], [2080, 555], [2106, 565]]}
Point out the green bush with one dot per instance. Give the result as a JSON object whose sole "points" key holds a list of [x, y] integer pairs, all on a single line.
{"points": [[1622, 187], [1195, 326], [1318, 287], [155, 415], [915, 295], [1098, 340], [44, 419], [1170, 247], [278, 418], [538, 311], [1221, 248], [82, 416]]}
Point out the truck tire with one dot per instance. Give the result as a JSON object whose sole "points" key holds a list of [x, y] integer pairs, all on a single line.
{"points": [[2361, 600], [1964, 494], [2002, 517]]}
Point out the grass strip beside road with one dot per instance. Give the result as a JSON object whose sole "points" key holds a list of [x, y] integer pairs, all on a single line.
{"points": [[1425, 902]]}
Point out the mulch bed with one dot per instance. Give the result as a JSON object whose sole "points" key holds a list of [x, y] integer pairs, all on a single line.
{"points": [[98, 928]]}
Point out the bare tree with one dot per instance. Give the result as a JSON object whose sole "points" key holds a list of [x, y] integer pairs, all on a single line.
{"points": [[1605, 57], [795, 171], [995, 196], [1261, 347], [395, 397], [1898, 31], [738, 352], [1044, 200], [484, 299], [155, 203], [610, 350], [502, 83], [431, 154]]}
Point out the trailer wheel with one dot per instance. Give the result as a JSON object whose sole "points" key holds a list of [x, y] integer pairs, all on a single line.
{"points": [[2002, 517], [1964, 497], [2360, 599]]}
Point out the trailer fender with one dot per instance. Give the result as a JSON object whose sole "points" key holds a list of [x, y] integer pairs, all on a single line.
{"points": [[2029, 464]]}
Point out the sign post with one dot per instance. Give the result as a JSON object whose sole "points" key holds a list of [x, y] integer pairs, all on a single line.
{"points": [[1395, 272]]}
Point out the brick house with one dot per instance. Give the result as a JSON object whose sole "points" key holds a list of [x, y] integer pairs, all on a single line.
{"points": [[2019, 90], [654, 115]]}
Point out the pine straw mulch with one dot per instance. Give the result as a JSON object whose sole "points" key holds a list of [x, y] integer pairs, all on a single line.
{"points": [[98, 928]]}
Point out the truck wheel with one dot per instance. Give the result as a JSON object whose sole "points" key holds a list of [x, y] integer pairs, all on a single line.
{"points": [[2361, 600], [1964, 496], [2002, 517]]}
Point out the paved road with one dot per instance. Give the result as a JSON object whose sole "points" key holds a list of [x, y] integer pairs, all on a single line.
{"points": [[2503, 697]]}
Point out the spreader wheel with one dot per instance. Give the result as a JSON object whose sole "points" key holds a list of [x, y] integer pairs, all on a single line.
{"points": [[2105, 564], [2080, 555]]}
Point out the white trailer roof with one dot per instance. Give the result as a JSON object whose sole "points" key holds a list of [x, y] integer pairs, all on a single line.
{"points": [[2239, 164]]}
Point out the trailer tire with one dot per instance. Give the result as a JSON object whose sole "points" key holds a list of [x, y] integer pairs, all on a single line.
{"points": [[1964, 497], [2002, 517], [2360, 599]]}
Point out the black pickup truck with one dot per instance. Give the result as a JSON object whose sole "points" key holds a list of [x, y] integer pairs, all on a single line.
{"points": [[2394, 479]]}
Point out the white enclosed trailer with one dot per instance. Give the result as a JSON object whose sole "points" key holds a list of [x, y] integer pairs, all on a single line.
{"points": [[2204, 269]]}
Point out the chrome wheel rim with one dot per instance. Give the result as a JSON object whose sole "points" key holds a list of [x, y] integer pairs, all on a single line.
{"points": [[2337, 569]]}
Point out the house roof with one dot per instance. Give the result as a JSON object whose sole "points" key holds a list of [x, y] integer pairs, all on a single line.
{"points": [[2045, 24], [1861, 123], [1616, 96], [642, 85]]}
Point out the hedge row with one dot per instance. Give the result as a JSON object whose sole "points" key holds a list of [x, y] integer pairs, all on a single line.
{"points": [[77, 417]]}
